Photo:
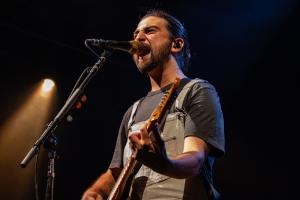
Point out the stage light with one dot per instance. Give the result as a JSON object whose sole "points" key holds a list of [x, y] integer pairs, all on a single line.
{"points": [[19, 132], [48, 85], [47, 88]]}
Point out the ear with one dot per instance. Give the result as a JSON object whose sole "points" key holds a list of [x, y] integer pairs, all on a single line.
{"points": [[177, 45]]}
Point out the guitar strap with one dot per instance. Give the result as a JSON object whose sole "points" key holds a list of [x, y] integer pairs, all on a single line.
{"points": [[213, 193]]}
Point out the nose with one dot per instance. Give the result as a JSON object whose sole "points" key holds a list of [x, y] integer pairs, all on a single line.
{"points": [[140, 36]]}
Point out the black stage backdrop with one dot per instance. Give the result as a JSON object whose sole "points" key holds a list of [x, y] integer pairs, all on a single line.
{"points": [[248, 49]]}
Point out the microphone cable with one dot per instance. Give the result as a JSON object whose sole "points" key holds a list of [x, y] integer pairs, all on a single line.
{"points": [[36, 175], [86, 70], [87, 46]]}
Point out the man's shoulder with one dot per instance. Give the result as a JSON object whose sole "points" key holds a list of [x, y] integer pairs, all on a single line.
{"points": [[128, 112], [196, 84]]}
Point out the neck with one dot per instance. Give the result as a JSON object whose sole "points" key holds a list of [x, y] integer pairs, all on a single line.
{"points": [[164, 75]]}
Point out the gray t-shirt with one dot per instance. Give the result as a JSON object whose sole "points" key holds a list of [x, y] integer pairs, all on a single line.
{"points": [[203, 119]]}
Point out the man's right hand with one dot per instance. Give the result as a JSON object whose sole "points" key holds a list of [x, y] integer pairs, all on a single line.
{"points": [[91, 195], [102, 187]]}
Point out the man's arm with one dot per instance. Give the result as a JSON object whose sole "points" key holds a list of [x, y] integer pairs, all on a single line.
{"points": [[190, 161], [152, 153], [102, 186]]}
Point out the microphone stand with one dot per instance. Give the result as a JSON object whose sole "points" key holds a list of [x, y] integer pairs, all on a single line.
{"points": [[50, 145], [48, 139]]}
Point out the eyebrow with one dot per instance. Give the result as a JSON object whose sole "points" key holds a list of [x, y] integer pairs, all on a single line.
{"points": [[145, 28]]}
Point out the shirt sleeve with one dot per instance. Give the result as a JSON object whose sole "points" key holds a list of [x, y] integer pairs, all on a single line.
{"points": [[204, 117], [117, 159]]}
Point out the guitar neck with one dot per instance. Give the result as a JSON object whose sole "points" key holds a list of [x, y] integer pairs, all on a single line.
{"points": [[159, 111], [119, 186]]}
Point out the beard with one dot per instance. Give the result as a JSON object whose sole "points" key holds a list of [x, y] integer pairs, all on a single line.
{"points": [[157, 58]]}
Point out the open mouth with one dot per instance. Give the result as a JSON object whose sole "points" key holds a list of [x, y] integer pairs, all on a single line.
{"points": [[143, 49], [143, 57]]}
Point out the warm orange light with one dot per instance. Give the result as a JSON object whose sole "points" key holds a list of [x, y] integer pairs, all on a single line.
{"points": [[17, 135], [48, 85]]}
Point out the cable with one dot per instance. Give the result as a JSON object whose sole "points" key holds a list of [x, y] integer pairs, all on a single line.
{"points": [[42, 37], [94, 52], [85, 70], [78, 80], [36, 175]]}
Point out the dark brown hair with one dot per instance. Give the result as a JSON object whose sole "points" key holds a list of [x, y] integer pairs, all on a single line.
{"points": [[176, 29]]}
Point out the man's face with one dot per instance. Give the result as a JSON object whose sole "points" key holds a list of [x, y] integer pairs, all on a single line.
{"points": [[153, 32]]}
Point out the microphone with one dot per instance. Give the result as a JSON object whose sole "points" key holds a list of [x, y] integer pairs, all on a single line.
{"points": [[132, 47]]}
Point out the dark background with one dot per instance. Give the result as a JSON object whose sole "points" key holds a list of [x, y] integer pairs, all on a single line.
{"points": [[248, 49]]}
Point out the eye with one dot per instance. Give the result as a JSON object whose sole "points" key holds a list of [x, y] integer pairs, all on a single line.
{"points": [[150, 30], [135, 34]]}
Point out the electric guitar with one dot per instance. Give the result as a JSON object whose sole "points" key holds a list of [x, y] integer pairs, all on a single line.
{"points": [[155, 117]]}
